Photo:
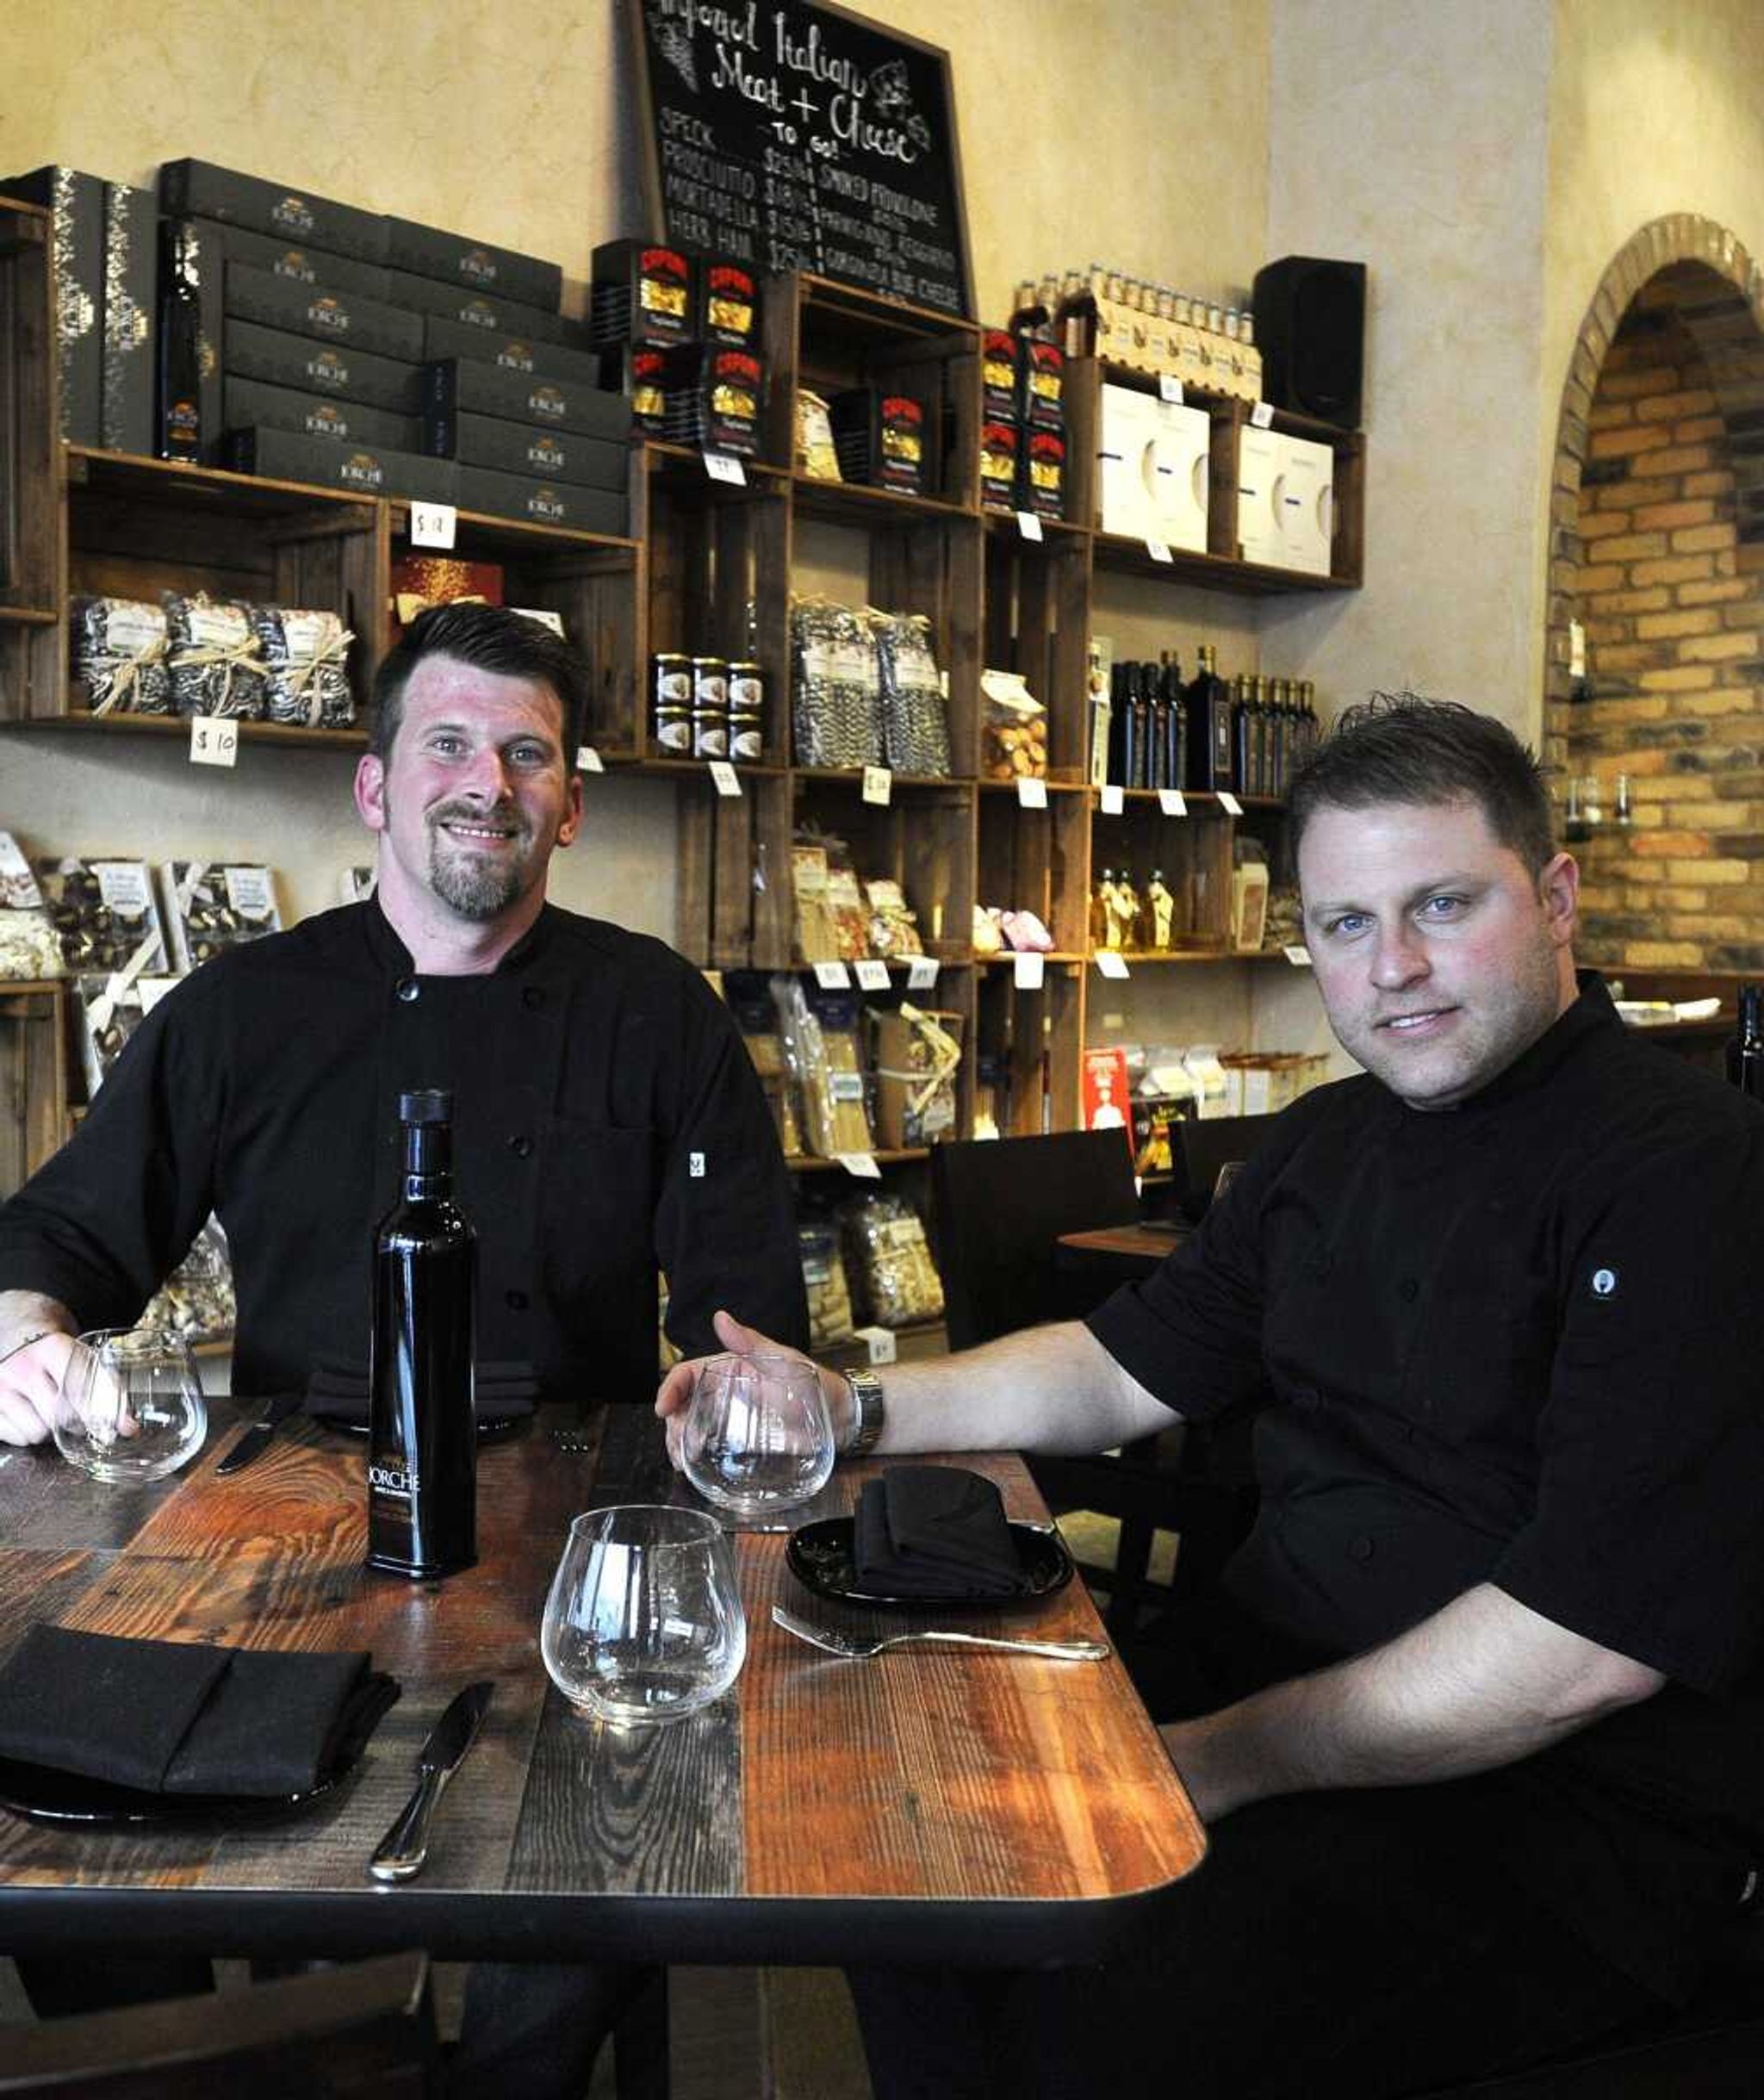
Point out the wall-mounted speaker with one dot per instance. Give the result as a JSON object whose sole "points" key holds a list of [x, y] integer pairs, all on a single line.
{"points": [[1311, 331]]}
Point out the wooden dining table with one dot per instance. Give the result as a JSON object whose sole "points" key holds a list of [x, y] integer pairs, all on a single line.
{"points": [[934, 1805]]}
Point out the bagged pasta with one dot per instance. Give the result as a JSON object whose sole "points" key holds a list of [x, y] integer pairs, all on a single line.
{"points": [[824, 1280], [117, 649], [306, 666], [816, 452], [888, 1262], [835, 699], [821, 1050], [894, 926], [215, 664], [914, 718]]}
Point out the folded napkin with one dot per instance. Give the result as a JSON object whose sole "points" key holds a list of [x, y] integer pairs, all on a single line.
{"points": [[176, 1717], [338, 1392], [934, 1532]]}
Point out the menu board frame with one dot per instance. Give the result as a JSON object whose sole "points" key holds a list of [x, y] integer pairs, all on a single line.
{"points": [[802, 19]]}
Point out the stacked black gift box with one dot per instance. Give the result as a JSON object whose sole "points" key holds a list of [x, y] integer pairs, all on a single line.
{"points": [[679, 336], [1022, 424]]}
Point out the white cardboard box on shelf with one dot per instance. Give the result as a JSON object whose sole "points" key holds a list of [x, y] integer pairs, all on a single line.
{"points": [[1285, 497], [1152, 469]]}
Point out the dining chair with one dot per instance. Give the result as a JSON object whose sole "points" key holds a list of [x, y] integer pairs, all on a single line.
{"points": [[999, 1207], [366, 2029]]}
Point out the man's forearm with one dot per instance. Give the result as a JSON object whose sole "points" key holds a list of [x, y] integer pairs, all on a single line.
{"points": [[1051, 1388], [1483, 1683]]}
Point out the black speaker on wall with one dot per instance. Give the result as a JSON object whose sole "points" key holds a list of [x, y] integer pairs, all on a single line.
{"points": [[1311, 331]]}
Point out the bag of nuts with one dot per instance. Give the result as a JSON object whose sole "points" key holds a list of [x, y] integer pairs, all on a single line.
{"points": [[1014, 727]]}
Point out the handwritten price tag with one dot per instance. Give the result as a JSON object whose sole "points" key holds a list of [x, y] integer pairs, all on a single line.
{"points": [[1029, 970], [1028, 525], [727, 779], [1031, 794], [1170, 389], [861, 1165], [1172, 802], [432, 524], [871, 976], [832, 976], [725, 467], [1262, 415], [1229, 803], [1114, 799], [1158, 550], [878, 786], [214, 740], [1300, 958], [589, 760], [922, 973], [1110, 962]]}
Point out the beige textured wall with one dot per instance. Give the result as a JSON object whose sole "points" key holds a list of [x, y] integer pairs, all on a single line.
{"points": [[506, 120]]}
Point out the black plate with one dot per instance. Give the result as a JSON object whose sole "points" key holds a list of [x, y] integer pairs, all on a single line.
{"points": [[44, 1795], [822, 1559]]}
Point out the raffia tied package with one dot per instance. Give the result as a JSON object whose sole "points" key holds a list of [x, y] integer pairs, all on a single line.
{"points": [[211, 909]]}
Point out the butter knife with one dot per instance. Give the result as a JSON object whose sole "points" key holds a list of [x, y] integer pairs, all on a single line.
{"points": [[402, 1851], [256, 1440]]}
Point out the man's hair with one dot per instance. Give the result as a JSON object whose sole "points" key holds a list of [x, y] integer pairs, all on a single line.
{"points": [[490, 638], [1399, 746]]}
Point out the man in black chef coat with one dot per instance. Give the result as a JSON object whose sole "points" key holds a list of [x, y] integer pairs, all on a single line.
{"points": [[609, 1124], [1474, 1723]]}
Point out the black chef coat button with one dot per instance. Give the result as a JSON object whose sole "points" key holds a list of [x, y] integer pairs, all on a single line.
{"points": [[1409, 1289], [516, 1300], [533, 997], [1361, 1548], [408, 989], [520, 1147]]}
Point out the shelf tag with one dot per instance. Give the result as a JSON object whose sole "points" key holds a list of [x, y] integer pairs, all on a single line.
{"points": [[725, 467], [1031, 792], [1229, 803], [1300, 958], [1262, 415], [214, 740], [1110, 962], [871, 976], [922, 973], [728, 780], [832, 976], [1028, 525], [1114, 798], [878, 786], [1171, 801], [432, 524], [589, 760], [879, 1341], [1156, 549], [1029, 970], [861, 1165], [1170, 389]]}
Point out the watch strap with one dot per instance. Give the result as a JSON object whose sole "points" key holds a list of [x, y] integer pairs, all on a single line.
{"points": [[869, 1412]]}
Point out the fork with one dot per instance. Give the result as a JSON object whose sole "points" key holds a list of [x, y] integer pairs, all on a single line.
{"points": [[850, 1646]]}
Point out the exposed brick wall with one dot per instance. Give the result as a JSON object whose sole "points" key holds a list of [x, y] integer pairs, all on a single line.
{"points": [[1669, 586]]}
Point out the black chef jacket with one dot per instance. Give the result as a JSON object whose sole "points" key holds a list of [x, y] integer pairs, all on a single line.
{"points": [[607, 1121], [1515, 1342]]}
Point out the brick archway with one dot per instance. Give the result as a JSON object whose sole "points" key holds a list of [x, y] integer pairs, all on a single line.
{"points": [[1677, 677]]}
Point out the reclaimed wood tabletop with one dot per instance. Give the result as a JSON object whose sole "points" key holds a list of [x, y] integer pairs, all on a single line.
{"points": [[934, 1804]]}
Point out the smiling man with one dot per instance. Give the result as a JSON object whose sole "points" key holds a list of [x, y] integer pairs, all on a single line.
{"points": [[1475, 1718]]}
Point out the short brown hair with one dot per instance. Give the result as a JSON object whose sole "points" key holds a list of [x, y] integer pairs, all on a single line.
{"points": [[1399, 746], [490, 638]]}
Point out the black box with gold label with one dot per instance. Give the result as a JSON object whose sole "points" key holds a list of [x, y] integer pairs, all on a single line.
{"points": [[642, 292], [1041, 369], [539, 502], [297, 261], [519, 448], [997, 373], [1000, 441], [249, 403], [198, 190], [639, 372], [371, 325], [338, 369], [1042, 473], [513, 353], [464, 386], [880, 438], [131, 313], [496, 314], [363, 470], [728, 304], [76, 205], [474, 265], [713, 399]]}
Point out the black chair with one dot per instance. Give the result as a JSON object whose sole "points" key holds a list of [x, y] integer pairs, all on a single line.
{"points": [[366, 2030], [999, 1207]]}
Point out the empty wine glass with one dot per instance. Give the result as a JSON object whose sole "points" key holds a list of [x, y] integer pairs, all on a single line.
{"points": [[131, 1406], [644, 1622], [758, 1437]]}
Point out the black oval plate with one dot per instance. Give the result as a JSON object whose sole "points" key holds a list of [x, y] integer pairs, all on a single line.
{"points": [[822, 1557]]}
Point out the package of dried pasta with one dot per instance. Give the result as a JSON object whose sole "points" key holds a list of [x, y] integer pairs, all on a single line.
{"points": [[889, 1261]]}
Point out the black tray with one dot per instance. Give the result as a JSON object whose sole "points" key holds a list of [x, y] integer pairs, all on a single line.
{"points": [[821, 1556]]}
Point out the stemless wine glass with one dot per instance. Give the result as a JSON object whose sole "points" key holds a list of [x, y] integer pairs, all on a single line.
{"points": [[758, 1437], [131, 1404], [644, 1623]]}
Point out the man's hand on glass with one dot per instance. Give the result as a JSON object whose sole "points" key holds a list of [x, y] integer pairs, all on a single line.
{"points": [[34, 1365], [675, 1393]]}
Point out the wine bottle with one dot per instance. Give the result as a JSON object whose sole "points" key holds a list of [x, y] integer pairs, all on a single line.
{"points": [[1242, 732], [1208, 707], [179, 419], [1157, 727], [422, 1431], [1176, 752], [1121, 734], [1745, 1052]]}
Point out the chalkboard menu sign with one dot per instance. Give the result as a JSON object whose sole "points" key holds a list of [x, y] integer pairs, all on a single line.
{"points": [[795, 137]]}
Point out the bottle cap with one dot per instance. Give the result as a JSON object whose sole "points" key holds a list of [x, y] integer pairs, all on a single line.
{"points": [[428, 1104]]}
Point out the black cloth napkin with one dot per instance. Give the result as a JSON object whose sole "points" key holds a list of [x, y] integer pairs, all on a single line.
{"points": [[177, 1718], [934, 1532], [338, 1393]]}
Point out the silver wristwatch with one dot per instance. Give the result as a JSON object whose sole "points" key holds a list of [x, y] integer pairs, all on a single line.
{"points": [[866, 1400]]}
